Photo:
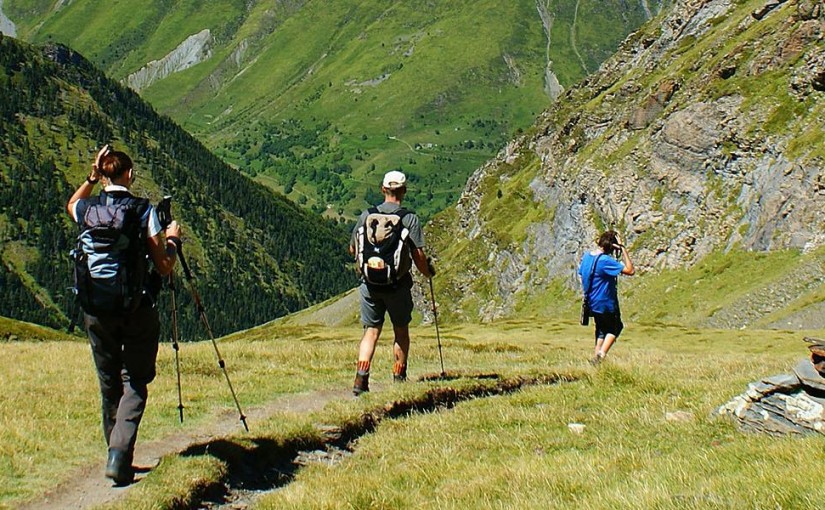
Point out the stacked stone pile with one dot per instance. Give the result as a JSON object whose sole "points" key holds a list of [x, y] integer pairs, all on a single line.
{"points": [[786, 403]]}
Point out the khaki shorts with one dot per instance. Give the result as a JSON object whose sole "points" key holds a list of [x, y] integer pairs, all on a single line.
{"points": [[375, 303]]}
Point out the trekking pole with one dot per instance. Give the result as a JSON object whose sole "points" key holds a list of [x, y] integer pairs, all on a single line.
{"points": [[205, 321], [435, 317], [175, 344], [77, 314], [164, 210]]}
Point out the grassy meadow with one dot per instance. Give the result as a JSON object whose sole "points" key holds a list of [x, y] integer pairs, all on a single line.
{"points": [[510, 450]]}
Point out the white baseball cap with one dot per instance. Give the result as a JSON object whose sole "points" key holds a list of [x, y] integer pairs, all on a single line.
{"points": [[394, 180]]}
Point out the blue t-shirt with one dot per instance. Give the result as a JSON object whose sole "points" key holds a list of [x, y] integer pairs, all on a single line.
{"points": [[604, 296]]}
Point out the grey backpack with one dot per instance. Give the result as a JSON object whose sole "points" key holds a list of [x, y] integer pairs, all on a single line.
{"points": [[110, 259], [382, 253]]}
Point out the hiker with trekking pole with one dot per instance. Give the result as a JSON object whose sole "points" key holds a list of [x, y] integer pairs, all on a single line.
{"points": [[599, 272], [386, 241], [119, 233]]}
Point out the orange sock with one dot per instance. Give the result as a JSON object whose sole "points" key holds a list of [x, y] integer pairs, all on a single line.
{"points": [[399, 368], [363, 367]]}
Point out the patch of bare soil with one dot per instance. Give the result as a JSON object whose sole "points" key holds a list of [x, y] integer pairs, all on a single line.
{"points": [[87, 487]]}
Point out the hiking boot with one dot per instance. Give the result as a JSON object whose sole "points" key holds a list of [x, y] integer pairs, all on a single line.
{"points": [[399, 372], [596, 360], [119, 467], [362, 383]]}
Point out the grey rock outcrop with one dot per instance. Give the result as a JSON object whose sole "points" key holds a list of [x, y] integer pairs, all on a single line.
{"points": [[7, 26], [192, 51], [778, 405], [786, 403]]}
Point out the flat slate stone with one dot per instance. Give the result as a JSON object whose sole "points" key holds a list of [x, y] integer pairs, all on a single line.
{"points": [[784, 383], [809, 376]]}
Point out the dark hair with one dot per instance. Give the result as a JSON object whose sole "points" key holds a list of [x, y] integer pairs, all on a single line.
{"points": [[396, 193], [607, 240], [114, 164]]}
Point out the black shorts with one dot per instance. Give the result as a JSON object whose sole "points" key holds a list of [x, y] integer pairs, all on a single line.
{"points": [[608, 324]]}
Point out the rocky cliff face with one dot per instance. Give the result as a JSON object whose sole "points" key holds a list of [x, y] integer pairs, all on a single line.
{"points": [[192, 51], [7, 27], [703, 133]]}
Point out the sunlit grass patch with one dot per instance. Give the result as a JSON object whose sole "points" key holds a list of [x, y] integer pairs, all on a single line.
{"points": [[495, 450], [516, 451]]}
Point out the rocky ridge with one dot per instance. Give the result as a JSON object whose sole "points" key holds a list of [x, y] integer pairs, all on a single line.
{"points": [[192, 51], [691, 139], [7, 26]]}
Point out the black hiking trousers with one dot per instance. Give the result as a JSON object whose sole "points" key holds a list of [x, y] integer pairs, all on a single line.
{"points": [[124, 349]]}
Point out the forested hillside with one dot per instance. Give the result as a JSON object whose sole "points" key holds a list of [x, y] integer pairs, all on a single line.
{"points": [[317, 99], [255, 255]]}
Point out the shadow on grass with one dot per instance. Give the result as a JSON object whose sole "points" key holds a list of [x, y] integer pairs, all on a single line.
{"points": [[452, 376], [263, 464]]}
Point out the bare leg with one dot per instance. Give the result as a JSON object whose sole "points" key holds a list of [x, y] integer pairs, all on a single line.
{"points": [[369, 340], [366, 350], [606, 345], [598, 346], [401, 347]]}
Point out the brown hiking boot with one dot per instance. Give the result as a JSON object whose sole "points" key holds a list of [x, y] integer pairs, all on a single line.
{"points": [[361, 384]]}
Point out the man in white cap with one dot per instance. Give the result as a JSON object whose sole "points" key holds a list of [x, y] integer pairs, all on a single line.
{"points": [[386, 241]]}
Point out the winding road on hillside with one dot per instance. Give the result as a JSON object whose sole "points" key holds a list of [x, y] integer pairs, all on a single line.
{"points": [[412, 149], [87, 488]]}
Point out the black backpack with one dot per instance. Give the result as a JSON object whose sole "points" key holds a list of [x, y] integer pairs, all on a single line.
{"points": [[110, 260], [382, 253]]}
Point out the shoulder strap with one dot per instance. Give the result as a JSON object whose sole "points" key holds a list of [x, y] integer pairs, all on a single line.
{"points": [[140, 205], [401, 212], [592, 272], [83, 206]]}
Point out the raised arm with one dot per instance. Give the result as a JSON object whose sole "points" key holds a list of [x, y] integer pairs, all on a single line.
{"points": [[86, 187], [629, 269]]}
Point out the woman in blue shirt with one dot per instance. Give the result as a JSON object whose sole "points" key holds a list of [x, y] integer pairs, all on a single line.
{"points": [[602, 293]]}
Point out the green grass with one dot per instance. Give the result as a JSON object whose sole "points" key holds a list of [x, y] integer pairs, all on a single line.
{"points": [[509, 452], [13, 331], [497, 452], [691, 295]]}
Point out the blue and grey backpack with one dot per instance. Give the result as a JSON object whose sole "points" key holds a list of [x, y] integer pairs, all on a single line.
{"points": [[110, 260]]}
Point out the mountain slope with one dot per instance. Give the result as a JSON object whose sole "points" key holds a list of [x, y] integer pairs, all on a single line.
{"points": [[318, 99], [255, 254], [702, 140]]}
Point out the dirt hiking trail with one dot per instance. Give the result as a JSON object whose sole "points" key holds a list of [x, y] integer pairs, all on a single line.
{"points": [[88, 488]]}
